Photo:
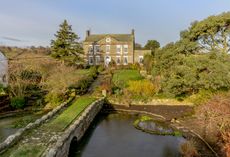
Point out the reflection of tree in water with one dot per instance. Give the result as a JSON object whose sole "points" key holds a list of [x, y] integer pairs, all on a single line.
{"points": [[169, 152]]}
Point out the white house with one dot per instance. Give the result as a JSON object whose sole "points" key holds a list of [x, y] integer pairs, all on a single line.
{"points": [[3, 69]]}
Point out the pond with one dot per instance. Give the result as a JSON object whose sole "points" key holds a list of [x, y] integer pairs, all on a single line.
{"points": [[10, 125], [114, 135]]}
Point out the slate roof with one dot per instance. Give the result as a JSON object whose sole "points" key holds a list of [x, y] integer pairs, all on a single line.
{"points": [[119, 37]]}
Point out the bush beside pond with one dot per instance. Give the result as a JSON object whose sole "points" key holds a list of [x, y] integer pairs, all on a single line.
{"points": [[18, 102], [141, 88]]}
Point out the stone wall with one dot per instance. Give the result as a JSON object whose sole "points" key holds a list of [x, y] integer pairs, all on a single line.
{"points": [[76, 130]]}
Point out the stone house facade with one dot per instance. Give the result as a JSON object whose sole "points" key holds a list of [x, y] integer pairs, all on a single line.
{"points": [[110, 48], [139, 55]]}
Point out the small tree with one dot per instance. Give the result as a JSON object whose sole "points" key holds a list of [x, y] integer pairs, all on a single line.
{"points": [[148, 62], [212, 33], [152, 45], [66, 46]]}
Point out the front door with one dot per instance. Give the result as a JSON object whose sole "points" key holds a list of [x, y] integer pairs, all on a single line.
{"points": [[107, 60]]}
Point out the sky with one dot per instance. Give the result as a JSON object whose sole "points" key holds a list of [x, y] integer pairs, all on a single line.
{"points": [[34, 22]]}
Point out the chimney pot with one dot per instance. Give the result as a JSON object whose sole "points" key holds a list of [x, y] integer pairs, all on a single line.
{"points": [[87, 33], [133, 32]]}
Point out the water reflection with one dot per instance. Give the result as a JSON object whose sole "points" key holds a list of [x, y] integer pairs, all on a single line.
{"points": [[114, 136]]}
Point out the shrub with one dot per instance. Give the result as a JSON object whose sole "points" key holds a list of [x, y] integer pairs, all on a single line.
{"points": [[117, 91], [38, 76], [106, 85], [93, 71], [214, 116], [64, 78], [83, 86], [54, 98], [136, 66], [143, 88], [188, 149], [27, 76], [2, 90], [201, 97], [17, 102], [100, 68], [195, 73], [31, 75], [224, 142], [148, 62]]}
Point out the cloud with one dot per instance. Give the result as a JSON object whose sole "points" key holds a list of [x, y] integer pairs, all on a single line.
{"points": [[12, 39]]}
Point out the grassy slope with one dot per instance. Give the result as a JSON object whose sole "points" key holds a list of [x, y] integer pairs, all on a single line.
{"points": [[121, 77]]}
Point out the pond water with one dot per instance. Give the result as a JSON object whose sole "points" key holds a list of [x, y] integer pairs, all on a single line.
{"points": [[10, 125], [114, 135]]}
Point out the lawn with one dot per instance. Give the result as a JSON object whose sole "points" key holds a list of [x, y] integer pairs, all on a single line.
{"points": [[70, 114], [121, 77]]}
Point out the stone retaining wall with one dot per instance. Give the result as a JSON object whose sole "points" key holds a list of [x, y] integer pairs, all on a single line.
{"points": [[75, 131], [151, 102], [17, 136]]}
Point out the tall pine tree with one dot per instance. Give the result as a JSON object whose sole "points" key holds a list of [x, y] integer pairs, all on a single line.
{"points": [[66, 46]]}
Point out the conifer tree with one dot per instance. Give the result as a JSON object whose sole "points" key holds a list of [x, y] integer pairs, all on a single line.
{"points": [[66, 46]]}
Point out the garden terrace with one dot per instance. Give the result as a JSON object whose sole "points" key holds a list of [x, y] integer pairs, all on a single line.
{"points": [[122, 77]]}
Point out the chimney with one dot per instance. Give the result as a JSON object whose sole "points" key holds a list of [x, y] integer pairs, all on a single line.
{"points": [[87, 33], [133, 32]]}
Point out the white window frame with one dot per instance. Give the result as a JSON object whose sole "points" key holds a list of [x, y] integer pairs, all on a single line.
{"points": [[90, 60], [108, 39], [90, 49], [107, 49], [98, 60], [127, 60], [126, 47], [117, 58], [95, 49], [139, 59], [106, 60], [119, 47]]}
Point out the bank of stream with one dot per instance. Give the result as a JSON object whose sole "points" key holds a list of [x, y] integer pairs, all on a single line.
{"points": [[9, 125]]}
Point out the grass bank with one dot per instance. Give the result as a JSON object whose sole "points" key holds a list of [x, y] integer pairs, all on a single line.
{"points": [[70, 114]]}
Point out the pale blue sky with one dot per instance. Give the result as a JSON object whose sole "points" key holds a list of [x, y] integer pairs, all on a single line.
{"points": [[33, 22]]}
